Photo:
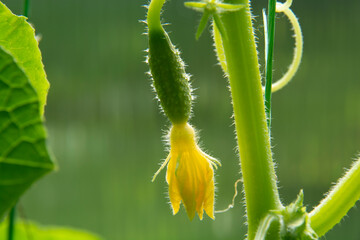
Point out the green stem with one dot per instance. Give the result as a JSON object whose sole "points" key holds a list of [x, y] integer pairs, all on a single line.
{"points": [[261, 193], [338, 202], [269, 59], [11, 227], [26, 8], [153, 17]]}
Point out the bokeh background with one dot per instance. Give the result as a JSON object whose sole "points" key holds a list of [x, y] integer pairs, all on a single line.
{"points": [[106, 131]]}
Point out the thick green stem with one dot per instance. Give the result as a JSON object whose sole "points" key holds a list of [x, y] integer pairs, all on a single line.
{"points": [[11, 227], [257, 166], [338, 202]]}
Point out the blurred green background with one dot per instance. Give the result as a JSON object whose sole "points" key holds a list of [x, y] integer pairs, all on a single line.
{"points": [[106, 131]]}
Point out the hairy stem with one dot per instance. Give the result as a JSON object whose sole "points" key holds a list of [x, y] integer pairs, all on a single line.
{"points": [[257, 166], [338, 202]]}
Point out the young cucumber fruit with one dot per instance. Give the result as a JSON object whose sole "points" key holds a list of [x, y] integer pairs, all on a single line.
{"points": [[169, 77]]}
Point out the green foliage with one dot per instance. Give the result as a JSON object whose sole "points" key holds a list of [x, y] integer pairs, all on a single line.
{"points": [[211, 9], [23, 153], [17, 37], [293, 222], [30, 230]]}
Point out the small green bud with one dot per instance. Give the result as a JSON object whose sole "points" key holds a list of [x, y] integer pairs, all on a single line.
{"points": [[293, 221], [168, 72]]}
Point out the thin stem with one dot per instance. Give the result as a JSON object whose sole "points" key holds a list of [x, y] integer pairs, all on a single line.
{"points": [[294, 66], [269, 59], [11, 227], [338, 202], [26, 8], [153, 17], [231, 205], [264, 226], [261, 193]]}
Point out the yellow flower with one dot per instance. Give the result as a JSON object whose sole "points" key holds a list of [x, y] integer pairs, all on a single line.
{"points": [[190, 173]]}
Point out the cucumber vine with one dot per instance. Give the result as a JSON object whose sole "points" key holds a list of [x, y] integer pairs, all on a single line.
{"points": [[233, 32]]}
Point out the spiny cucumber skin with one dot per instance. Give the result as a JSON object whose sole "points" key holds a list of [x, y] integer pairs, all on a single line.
{"points": [[170, 79]]}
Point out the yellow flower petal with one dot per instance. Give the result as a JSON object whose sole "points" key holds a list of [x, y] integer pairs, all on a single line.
{"points": [[174, 194], [190, 173], [209, 200]]}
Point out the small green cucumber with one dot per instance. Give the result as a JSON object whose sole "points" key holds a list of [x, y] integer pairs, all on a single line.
{"points": [[167, 70]]}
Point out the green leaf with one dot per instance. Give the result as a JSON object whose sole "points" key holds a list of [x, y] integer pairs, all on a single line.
{"points": [[24, 157], [29, 230], [227, 7], [202, 24], [17, 37], [197, 6]]}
